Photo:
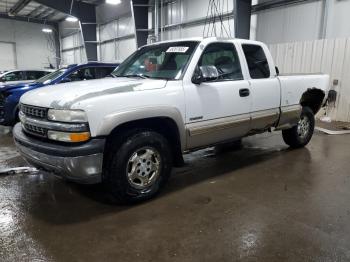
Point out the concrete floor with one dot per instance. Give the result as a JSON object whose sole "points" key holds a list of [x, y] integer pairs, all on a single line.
{"points": [[262, 203]]}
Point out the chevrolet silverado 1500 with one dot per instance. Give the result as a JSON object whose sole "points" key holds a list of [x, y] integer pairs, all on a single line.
{"points": [[166, 99]]}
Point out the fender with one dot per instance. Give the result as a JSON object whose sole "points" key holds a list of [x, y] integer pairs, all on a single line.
{"points": [[114, 120]]}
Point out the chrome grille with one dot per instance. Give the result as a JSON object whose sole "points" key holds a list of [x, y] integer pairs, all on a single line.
{"points": [[33, 111], [35, 130]]}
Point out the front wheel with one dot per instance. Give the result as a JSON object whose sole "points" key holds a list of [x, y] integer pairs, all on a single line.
{"points": [[138, 167], [301, 134]]}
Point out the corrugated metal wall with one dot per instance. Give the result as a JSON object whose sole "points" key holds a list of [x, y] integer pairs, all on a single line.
{"points": [[117, 40], [292, 23], [330, 56], [73, 51], [180, 12]]}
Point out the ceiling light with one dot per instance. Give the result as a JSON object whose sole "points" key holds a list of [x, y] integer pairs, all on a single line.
{"points": [[47, 30], [113, 2], [71, 19]]}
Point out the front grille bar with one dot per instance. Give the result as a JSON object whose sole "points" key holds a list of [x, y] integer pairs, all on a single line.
{"points": [[33, 111], [64, 127]]}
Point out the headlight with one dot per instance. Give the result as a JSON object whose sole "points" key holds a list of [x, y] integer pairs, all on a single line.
{"points": [[76, 116], [68, 137]]}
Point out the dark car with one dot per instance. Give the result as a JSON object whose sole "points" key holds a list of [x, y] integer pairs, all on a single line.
{"points": [[10, 94]]}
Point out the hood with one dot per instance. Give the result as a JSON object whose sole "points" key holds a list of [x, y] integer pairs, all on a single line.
{"points": [[67, 94], [9, 87]]}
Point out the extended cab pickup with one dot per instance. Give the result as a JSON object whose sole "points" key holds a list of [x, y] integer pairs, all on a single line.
{"points": [[166, 99]]}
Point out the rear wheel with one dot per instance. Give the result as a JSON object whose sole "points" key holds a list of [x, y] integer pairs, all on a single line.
{"points": [[301, 134], [138, 167]]}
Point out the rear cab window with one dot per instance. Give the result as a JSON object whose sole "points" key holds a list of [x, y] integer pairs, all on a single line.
{"points": [[256, 60]]}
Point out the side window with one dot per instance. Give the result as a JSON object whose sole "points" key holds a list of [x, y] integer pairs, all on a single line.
{"points": [[257, 61], [225, 58], [102, 72], [13, 76], [82, 74], [33, 75]]}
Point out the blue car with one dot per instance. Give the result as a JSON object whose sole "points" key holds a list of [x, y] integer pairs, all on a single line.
{"points": [[10, 94]]}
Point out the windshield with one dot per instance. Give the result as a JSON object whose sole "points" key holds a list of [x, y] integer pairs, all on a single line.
{"points": [[164, 61], [48, 78]]}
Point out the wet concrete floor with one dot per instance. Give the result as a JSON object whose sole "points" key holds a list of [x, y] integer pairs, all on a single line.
{"points": [[262, 203]]}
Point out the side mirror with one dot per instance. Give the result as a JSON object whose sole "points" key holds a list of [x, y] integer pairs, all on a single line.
{"points": [[277, 71], [205, 74]]}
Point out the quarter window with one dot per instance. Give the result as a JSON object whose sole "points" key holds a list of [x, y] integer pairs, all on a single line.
{"points": [[257, 61], [225, 58]]}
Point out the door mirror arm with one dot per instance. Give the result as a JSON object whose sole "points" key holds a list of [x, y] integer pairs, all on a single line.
{"points": [[197, 77]]}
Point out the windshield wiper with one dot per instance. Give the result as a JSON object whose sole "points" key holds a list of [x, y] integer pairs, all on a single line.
{"points": [[140, 76], [111, 75]]}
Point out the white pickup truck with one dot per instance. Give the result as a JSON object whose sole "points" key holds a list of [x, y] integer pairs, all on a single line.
{"points": [[166, 99]]}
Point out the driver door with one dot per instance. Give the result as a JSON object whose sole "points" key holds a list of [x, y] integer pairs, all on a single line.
{"points": [[218, 110]]}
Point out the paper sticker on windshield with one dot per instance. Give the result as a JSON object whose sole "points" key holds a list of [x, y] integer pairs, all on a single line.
{"points": [[177, 49]]}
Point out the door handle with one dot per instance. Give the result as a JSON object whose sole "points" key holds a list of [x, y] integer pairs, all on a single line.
{"points": [[244, 92]]}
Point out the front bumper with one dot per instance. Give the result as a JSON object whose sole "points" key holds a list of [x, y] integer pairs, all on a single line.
{"points": [[79, 163]]}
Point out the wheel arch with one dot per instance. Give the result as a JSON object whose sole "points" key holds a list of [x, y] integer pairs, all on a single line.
{"points": [[313, 98], [169, 124]]}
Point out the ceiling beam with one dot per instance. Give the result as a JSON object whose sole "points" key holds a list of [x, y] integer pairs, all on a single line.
{"points": [[36, 11], [26, 19], [43, 13], [49, 15], [276, 3], [18, 7]]}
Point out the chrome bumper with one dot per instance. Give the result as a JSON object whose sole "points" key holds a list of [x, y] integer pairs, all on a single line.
{"points": [[76, 164]]}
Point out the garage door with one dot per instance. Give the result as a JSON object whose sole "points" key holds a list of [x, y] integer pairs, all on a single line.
{"points": [[7, 56]]}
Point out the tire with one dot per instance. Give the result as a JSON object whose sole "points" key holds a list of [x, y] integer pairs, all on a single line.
{"points": [[137, 167], [301, 134]]}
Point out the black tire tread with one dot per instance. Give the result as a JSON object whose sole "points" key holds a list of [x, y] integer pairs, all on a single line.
{"points": [[114, 181], [290, 136]]}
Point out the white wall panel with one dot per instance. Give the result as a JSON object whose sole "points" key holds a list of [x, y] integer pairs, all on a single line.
{"points": [[338, 19], [125, 48], [125, 26], [8, 58], [194, 9], [199, 30], [33, 48], [115, 49], [68, 57], [343, 105], [108, 52], [108, 31], [182, 11], [291, 23]]}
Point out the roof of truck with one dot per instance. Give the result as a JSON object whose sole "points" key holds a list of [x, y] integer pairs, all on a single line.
{"points": [[208, 39]]}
